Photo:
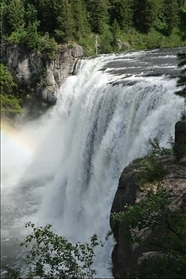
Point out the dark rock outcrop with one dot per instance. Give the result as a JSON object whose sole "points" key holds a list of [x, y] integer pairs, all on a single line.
{"points": [[127, 257], [180, 140], [47, 95], [124, 258]]}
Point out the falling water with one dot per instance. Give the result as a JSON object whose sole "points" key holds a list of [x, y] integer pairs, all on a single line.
{"points": [[104, 117]]}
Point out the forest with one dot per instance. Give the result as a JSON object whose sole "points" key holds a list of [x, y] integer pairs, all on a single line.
{"points": [[43, 25]]}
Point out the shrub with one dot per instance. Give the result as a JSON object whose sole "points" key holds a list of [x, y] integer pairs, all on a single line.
{"points": [[153, 168], [154, 214], [53, 256]]}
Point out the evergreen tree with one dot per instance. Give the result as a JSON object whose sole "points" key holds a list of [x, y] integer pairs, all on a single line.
{"points": [[182, 77], [171, 15], [122, 11], [46, 16], [145, 14], [79, 13], [31, 14], [64, 20], [116, 33], [15, 15], [32, 38], [97, 14]]}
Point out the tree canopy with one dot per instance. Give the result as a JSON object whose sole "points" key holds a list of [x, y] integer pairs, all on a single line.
{"points": [[70, 20]]}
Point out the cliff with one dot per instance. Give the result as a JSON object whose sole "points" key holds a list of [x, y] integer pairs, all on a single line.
{"points": [[127, 257], [36, 73]]}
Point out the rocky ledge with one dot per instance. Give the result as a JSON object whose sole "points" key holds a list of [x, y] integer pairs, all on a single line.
{"points": [[126, 257], [27, 66]]}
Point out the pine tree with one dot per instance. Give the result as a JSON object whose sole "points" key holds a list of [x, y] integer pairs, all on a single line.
{"points": [[116, 32], [97, 14], [146, 12], [79, 13], [46, 17], [122, 11], [31, 14], [182, 77], [64, 20], [15, 14], [171, 15]]}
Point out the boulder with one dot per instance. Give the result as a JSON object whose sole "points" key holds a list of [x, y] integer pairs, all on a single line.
{"points": [[48, 96]]}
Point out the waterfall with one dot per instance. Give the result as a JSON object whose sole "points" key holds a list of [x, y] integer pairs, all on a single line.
{"points": [[102, 121]]}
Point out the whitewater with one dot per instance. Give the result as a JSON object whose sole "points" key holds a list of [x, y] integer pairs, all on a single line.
{"points": [[63, 169]]}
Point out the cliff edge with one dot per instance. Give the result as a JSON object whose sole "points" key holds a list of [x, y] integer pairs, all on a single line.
{"points": [[38, 75], [127, 257]]}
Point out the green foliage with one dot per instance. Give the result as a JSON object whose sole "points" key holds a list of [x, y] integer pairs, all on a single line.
{"points": [[146, 13], [156, 222], [153, 169], [9, 105], [62, 18], [18, 36], [171, 15], [31, 14], [154, 214], [9, 98], [53, 256], [15, 14], [164, 266], [116, 34], [182, 77], [143, 215], [144, 24], [32, 37], [6, 81], [105, 40], [182, 16], [48, 46], [81, 26], [97, 14], [122, 12]]}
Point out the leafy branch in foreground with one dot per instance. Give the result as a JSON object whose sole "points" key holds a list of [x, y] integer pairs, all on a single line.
{"points": [[53, 256]]}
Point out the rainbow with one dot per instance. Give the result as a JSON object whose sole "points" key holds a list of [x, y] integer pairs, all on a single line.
{"points": [[15, 140]]}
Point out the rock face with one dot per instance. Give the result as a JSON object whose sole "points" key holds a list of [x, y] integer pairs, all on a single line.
{"points": [[180, 139], [126, 257], [124, 45], [27, 66]]}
